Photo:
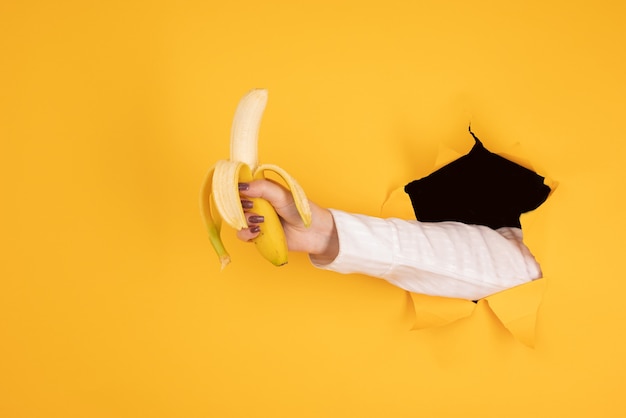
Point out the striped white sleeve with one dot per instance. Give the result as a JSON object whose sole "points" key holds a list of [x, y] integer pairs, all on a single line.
{"points": [[449, 259]]}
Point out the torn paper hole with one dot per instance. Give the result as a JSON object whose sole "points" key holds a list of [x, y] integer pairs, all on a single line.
{"points": [[516, 307]]}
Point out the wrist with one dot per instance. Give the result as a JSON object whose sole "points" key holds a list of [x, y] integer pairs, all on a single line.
{"points": [[325, 242]]}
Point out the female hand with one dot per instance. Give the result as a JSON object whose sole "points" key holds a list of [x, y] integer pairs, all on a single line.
{"points": [[319, 240]]}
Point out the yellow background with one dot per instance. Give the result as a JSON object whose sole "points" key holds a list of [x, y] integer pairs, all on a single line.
{"points": [[111, 300]]}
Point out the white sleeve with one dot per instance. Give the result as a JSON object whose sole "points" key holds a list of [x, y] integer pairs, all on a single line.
{"points": [[449, 259]]}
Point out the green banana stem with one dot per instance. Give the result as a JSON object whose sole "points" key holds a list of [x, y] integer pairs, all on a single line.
{"points": [[218, 245], [213, 224]]}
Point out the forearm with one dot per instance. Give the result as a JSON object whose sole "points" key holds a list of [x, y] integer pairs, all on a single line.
{"points": [[322, 237]]}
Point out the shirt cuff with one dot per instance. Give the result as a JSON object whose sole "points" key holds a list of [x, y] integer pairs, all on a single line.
{"points": [[356, 234]]}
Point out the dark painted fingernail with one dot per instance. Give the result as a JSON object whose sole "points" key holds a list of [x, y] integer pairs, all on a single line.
{"points": [[256, 219], [254, 229], [244, 186], [246, 204]]}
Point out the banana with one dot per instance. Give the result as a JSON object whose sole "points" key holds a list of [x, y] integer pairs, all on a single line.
{"points": [[219, 195]]}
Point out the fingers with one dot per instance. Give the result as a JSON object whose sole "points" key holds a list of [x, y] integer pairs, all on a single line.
{"points": [[277, 195], [246, 204], [253, 229], [253, 220]]}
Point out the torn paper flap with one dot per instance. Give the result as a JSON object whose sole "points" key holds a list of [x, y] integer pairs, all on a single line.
{"points": [[515, 308]]}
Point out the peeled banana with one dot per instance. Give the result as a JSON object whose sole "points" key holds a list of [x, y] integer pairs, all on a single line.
{"points": [[219, 197]]}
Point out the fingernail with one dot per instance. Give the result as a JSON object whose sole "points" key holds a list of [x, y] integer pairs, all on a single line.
{"points": [[256, 219], [254, 229], [244, 186], [246, 204]]}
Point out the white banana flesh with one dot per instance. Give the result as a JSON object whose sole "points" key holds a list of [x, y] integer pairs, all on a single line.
{"points": [[219, 196]]}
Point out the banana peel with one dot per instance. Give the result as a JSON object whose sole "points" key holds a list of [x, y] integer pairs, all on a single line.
{"points": [[220, 201]]}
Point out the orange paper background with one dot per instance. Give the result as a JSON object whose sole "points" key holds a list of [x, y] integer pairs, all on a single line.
{"points": [[111, 300]]}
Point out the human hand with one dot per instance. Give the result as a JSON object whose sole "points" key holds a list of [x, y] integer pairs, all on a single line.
{"points": [[319, 240]]}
